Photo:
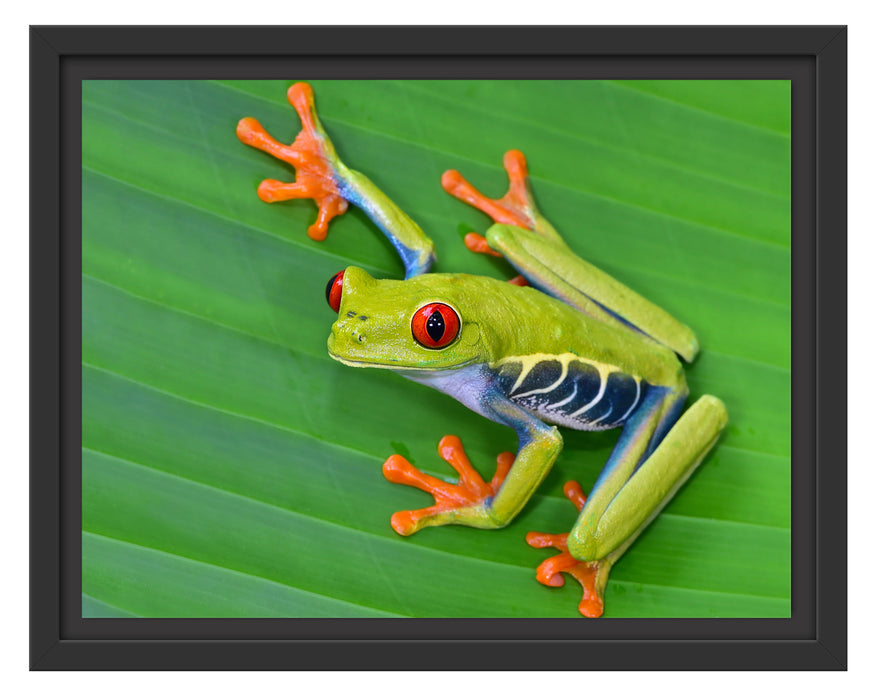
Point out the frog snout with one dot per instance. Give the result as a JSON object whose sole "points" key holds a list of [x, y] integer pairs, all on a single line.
{"points": [[350, 328]]}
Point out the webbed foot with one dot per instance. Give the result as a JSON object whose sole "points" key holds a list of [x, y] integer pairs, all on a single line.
{"points": [[591, 575], [464, 502], [311, 154], [516, 208]]}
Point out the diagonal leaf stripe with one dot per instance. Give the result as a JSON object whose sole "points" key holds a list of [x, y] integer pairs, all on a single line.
{"points": [[232, 469]]}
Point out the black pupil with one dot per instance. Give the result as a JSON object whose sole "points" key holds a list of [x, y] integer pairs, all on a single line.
{"points": [[329, 287], [435, 327]]}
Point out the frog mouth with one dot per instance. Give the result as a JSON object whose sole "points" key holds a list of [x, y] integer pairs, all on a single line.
{"points": [[395, 364], [363, 363]]}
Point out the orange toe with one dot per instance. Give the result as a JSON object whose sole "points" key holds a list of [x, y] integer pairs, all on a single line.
{"points": [[312, 157], [591, 575]]}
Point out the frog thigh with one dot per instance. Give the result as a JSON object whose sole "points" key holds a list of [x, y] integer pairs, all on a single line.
{"points": [[607, 526], [551, 266]]}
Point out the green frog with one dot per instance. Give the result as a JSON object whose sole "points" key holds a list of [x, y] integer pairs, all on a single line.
{"points": [[562, 344]]}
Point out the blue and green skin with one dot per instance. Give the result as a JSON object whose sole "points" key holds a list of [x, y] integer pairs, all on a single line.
{"points": [[576, 348]]}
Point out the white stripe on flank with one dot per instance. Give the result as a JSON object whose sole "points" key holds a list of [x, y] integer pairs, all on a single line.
{"points": [[524, 370], [602, 390], [564, 401], [563, 373], [633, 405], [599, 421]]}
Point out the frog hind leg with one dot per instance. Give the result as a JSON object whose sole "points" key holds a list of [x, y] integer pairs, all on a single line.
{"points": [[515, 208], [534, 248], [646, 469], [321, 176], [592, 576]]}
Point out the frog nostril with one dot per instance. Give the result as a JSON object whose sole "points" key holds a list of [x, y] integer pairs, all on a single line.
{"points": [[351, 327]]}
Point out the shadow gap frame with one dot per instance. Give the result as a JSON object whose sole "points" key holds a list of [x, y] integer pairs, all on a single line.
{"points": [[814, 58]]}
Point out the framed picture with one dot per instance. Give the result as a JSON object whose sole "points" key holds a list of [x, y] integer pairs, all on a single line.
{"points": [[203, 471]]}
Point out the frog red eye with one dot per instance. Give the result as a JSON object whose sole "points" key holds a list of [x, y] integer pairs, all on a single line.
{"points": [[334, 290], [435, 325]]}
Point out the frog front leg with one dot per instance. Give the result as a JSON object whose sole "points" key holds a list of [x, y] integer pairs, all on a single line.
{"points": [[646, 468], [322, 176], [472, 501]]}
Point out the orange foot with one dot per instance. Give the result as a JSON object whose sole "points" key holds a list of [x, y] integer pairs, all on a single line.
{"points": [[516, 208], [312, 156], [478, 244], [591, 575], [470, 491]]}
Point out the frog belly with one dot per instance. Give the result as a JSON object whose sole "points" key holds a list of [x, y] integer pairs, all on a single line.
{"points": [[571, 391]]}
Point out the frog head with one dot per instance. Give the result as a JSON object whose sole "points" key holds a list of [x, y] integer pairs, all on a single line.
{"points": [[429, 322]]}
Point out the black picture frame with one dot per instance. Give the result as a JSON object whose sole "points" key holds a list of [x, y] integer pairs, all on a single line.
{"points": [[814, 58]]}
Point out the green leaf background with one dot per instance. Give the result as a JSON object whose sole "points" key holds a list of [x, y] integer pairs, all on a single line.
{"points": [[232, 469]]}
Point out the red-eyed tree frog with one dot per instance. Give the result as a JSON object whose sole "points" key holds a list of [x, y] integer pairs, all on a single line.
{"points": [[565, 345]]}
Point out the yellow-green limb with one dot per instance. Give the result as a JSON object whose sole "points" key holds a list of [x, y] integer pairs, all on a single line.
{"points": [[552, 267], [633, 490]]}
